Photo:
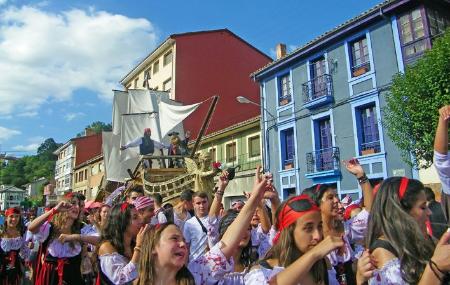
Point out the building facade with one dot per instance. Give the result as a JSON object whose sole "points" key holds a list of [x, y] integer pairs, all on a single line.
{"points": [[32, 188], [88, 169], [236, 146], [64, 168], [10, 196], [323, 102], [198, 65]]}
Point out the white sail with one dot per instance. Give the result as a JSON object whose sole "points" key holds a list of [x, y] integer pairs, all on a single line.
{"points": [[172, 115], [120, 106]]}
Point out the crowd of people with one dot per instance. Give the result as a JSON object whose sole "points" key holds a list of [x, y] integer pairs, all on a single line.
{"points": [[395, 234]]}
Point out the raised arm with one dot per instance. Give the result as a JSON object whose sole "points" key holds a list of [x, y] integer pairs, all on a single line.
{"points": [[215, 205], [34, 226], [441, 137], [236, 230], [356, 169]]}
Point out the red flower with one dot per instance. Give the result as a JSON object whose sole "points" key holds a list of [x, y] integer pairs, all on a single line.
{"points": [[216, 165]]}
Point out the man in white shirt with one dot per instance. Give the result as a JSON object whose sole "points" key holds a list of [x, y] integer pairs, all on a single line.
{"points": [[146, 144], [201, 231], [441, 158]]}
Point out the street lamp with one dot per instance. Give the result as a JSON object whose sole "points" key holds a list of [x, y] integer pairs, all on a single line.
{"points": [[245, 100], [266, 156]]}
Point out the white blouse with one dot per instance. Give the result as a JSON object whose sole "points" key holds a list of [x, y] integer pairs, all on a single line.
{"points": [[262, 276], [17, 243], [55, 247], [390, 273], [117, 268]]}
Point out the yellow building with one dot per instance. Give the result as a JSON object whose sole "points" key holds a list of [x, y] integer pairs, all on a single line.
{"points": [[88, 177]]}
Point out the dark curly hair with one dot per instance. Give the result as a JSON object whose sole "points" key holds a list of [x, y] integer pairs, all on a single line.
{"points": [[390, 218], [248, 255], [116, 226]]}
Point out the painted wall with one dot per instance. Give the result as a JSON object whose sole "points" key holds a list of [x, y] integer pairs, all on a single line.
{"points": [[216, 63]]}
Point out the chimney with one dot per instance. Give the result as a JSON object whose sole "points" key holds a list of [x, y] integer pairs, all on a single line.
{"points": [[281, 50], [89, 132]]}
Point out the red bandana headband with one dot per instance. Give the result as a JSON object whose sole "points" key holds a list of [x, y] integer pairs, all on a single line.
{"points": [[289, 214], [12, 211], [403, 186]]}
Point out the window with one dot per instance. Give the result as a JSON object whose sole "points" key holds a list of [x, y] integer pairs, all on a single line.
{"points": [[324, 154], [100, 166], [254, 149], [167, 85], [135, 84], [285, 90], [412, 34], [368, 135], [287, 148], [360, 62], [168, 58], [213, 153], [85, 174], [147, 76], [80, 176], [231, 152], [437, 21], [319, 83], [156, 67]]}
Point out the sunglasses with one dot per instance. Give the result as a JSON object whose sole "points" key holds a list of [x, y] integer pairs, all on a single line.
{"points": [[302, 205]]}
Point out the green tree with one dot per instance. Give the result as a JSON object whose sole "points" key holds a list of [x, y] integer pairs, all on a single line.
{"points": [[97, 127], [412, 105]]}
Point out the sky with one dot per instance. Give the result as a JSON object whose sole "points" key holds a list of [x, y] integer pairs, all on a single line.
{"points": [[61, 59]]}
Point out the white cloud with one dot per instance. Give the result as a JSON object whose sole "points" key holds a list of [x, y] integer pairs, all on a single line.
{"points": [[6, 133], [29, 114], [72, 116], [46, 56], [34, 143]]}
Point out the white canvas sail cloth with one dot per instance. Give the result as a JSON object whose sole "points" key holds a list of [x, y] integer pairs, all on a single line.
{"points": [[115, 163], [172, 115], [133, 126], [120, 107]]}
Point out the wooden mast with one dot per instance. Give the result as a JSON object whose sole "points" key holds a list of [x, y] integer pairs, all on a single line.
{"points": [[205, 124]]}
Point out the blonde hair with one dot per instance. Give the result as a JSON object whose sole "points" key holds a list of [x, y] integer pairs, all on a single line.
{"points": [[60, 220], [147, 273]]}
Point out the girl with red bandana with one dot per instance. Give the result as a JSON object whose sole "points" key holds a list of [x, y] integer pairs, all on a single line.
{"points": [[13, 249], [58, 231]]}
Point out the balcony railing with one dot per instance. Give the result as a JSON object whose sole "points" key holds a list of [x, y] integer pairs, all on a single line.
{"points": [[370, 147], [326, 159], [317, 88]]}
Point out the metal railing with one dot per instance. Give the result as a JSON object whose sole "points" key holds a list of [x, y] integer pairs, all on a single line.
{"points": [[370, 147], [317, 87], [323, 160], [245, 162]]}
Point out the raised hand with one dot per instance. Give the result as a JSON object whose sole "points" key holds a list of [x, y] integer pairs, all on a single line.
{"points": [[63, 206], [354, 167], [441, 254], [140, 235], [444, 113]]}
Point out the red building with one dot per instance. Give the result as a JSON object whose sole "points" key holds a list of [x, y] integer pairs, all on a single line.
{"points": [[87, 147], [195, 66]]}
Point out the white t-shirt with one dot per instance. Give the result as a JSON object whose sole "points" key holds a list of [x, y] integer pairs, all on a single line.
{"points": [[158, 218], [196, 237]]}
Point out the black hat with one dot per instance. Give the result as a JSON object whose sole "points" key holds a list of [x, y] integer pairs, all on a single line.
{"points": [[173, 134]]}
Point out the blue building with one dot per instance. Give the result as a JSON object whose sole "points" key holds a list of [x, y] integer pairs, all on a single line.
{"points": [[323, 102]]}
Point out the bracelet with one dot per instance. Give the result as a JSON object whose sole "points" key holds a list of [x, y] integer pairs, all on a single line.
{"points": [[431, 263], [137, 248], [363, 179]]}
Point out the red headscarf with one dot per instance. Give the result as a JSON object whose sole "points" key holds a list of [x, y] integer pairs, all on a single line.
{"points": [[12, 211], [289, 215]]}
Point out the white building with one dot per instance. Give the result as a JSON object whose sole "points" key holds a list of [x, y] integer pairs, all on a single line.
{"points": [[64, 168], [32, 188], [10, 196]]}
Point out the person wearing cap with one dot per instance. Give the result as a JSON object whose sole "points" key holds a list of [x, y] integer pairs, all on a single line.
{"points": [[145, 207], [146, 144], [178, 147]]}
